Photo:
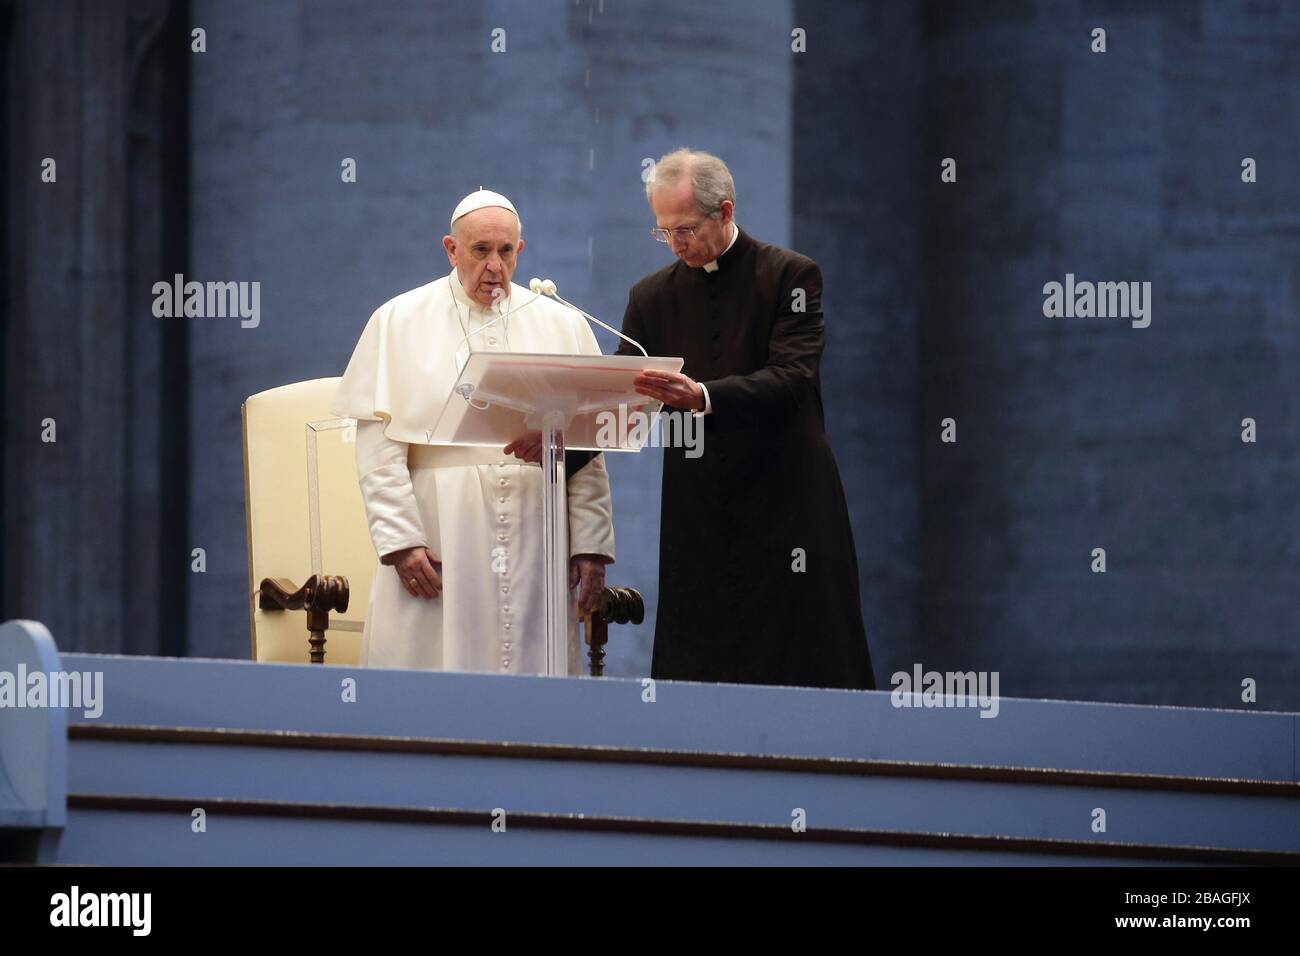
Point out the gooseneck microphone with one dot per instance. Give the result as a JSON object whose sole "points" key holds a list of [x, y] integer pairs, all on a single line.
{"points": [[546, 287]]}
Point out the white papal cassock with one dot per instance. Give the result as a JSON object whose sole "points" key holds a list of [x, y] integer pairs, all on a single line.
{"points": [[477, 509]]}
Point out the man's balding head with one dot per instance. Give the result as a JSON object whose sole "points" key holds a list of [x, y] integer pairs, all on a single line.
{"points": [[693, 196]]}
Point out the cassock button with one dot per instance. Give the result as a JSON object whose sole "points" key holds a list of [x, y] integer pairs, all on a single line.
{"points": [[506, 609], [501, 537], [507, 625], [492, 341], [503, 482], [502, 500], [506, 645], [505, 589], [501, 519]]}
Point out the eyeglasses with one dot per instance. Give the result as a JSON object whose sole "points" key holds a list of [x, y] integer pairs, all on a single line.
{"points": [[681, 233]]}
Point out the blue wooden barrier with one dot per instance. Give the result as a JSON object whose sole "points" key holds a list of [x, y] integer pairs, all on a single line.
{"points": [[290, 764]]}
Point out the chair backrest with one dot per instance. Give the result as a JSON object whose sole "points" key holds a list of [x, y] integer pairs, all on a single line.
{"points": [[305, 516]]}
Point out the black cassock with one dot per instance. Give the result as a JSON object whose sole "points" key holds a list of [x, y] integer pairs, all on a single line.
{"points": [[732, 607]]}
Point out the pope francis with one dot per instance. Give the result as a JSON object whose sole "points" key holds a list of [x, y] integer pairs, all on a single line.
{"points": [[458, 530]]}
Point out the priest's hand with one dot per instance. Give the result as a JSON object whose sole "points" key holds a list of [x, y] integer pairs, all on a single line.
{"points": [[672, 388], [589, 569], [418, 569], [527, 446]]}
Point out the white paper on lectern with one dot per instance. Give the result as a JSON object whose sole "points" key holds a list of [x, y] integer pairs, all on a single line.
{"points": [[514, 384]]}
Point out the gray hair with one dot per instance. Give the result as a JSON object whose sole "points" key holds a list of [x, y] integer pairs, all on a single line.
{"points": [[710, 178]]}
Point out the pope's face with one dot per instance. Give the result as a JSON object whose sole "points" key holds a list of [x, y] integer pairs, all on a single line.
{"points": [[484, 248], [674, 208]]}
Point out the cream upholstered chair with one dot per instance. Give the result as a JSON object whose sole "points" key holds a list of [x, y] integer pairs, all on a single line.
{"points": [[307, 528], [309, 545]]}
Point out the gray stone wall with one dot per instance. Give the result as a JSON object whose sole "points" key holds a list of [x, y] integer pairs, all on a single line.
{"points": [[1072, 433], [561, 122], [1083, 433]]}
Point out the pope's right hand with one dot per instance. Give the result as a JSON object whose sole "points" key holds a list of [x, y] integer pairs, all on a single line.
{"points": [[418, 569], [527, 447]]}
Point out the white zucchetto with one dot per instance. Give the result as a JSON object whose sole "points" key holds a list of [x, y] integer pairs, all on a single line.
{"points": [[482, 199]]}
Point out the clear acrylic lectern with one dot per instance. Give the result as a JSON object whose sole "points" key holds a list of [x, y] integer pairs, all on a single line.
{"points": [[499, 396]]}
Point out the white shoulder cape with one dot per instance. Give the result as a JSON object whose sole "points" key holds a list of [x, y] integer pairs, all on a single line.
{"points": [[404, 366]]}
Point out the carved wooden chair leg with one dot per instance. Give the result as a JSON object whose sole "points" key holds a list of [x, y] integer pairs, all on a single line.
{"points": [[597, 634], [321, 594], [615, 606]]}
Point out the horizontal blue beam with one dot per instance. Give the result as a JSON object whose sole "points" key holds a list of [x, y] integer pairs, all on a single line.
{"points": [[686, 716], [207, 773], [95, 836]]}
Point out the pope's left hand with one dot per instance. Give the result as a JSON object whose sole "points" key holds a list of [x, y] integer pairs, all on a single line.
{"points": [[672, 388], [589, 569]]}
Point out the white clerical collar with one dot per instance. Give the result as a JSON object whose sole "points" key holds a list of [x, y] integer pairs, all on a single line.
{"points": [[473, 304], [713, 266]]}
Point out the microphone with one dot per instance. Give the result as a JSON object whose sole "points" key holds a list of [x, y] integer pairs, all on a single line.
{"points": [[547, 287]]}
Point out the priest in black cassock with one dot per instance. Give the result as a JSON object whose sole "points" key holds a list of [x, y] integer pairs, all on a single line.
{"points": [[758, 576]]}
